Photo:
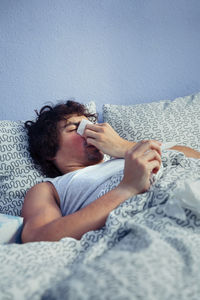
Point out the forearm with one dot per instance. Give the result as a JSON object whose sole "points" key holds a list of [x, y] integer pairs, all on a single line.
{"points": [[91, 217], [189, 152], [126, 145]]}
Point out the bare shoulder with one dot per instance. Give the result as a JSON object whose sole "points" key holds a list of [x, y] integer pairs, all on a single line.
{"points": [[39, 209], [38, 197], [42, 188]]}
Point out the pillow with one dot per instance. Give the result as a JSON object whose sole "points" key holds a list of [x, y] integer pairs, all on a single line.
{"points": [[17, 170], [166, 120], [10, 229]]}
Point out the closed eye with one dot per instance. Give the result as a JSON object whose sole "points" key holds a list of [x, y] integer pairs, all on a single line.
{"points": [[72, 127]]}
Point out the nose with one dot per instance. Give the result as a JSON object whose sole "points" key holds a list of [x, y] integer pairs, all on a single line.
{"points": [[83, 139]]}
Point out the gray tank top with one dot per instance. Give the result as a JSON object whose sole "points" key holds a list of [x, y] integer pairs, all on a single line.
{"points": [[79, 188]]}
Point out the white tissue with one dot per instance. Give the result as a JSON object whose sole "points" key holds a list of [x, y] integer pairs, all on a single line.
{"points": [[189, 194], [186, 195], [82, 125], [157, 176]]}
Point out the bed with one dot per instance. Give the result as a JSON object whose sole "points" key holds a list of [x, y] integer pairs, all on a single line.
{"points": [[150, 245]]}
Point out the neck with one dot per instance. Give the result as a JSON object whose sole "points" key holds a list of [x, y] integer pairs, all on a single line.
{"points": [[68, 169], [71, 168]]}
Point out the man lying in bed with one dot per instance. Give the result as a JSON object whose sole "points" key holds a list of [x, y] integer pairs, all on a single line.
{"points": [[67, 205]]}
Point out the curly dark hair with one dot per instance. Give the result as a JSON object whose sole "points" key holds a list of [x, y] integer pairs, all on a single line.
{"points": [[43, 136]]}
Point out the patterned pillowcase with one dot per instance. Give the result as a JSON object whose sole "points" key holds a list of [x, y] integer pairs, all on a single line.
{"points": [[177, 120], [17, 170]]}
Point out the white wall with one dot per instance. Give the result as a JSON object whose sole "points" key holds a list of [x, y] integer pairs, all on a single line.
{"points": [[109, 51]]}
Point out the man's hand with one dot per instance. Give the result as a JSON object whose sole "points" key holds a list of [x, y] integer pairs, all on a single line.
{"points": [[107, 140], [140, 162]]}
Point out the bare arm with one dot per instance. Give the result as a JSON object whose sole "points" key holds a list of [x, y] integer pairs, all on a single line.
{"points": [[47, 223], [42, 217], [189, 152], [106, 139]]}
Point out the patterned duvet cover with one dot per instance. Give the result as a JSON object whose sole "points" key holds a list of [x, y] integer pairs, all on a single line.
{"points": [[143, 252]]}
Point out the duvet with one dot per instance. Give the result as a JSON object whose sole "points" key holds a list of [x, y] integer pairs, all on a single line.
{"points": [[149, 248]]}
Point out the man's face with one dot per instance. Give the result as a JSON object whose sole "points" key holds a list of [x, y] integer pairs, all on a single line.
{"points": [[74, 152]]}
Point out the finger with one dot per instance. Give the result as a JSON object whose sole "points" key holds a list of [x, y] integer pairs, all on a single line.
{"points": [[158, 142], [153, 166], [94, 127], [152, 155], [90, 134], [144, 146], [91, 141], [151, 145]]}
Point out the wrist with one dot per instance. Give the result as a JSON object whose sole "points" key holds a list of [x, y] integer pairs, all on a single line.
{"points": [[124, 147], [126, 190]]}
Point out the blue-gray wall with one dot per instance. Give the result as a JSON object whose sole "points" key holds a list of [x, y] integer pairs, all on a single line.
{"points": [[109, 51]]}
